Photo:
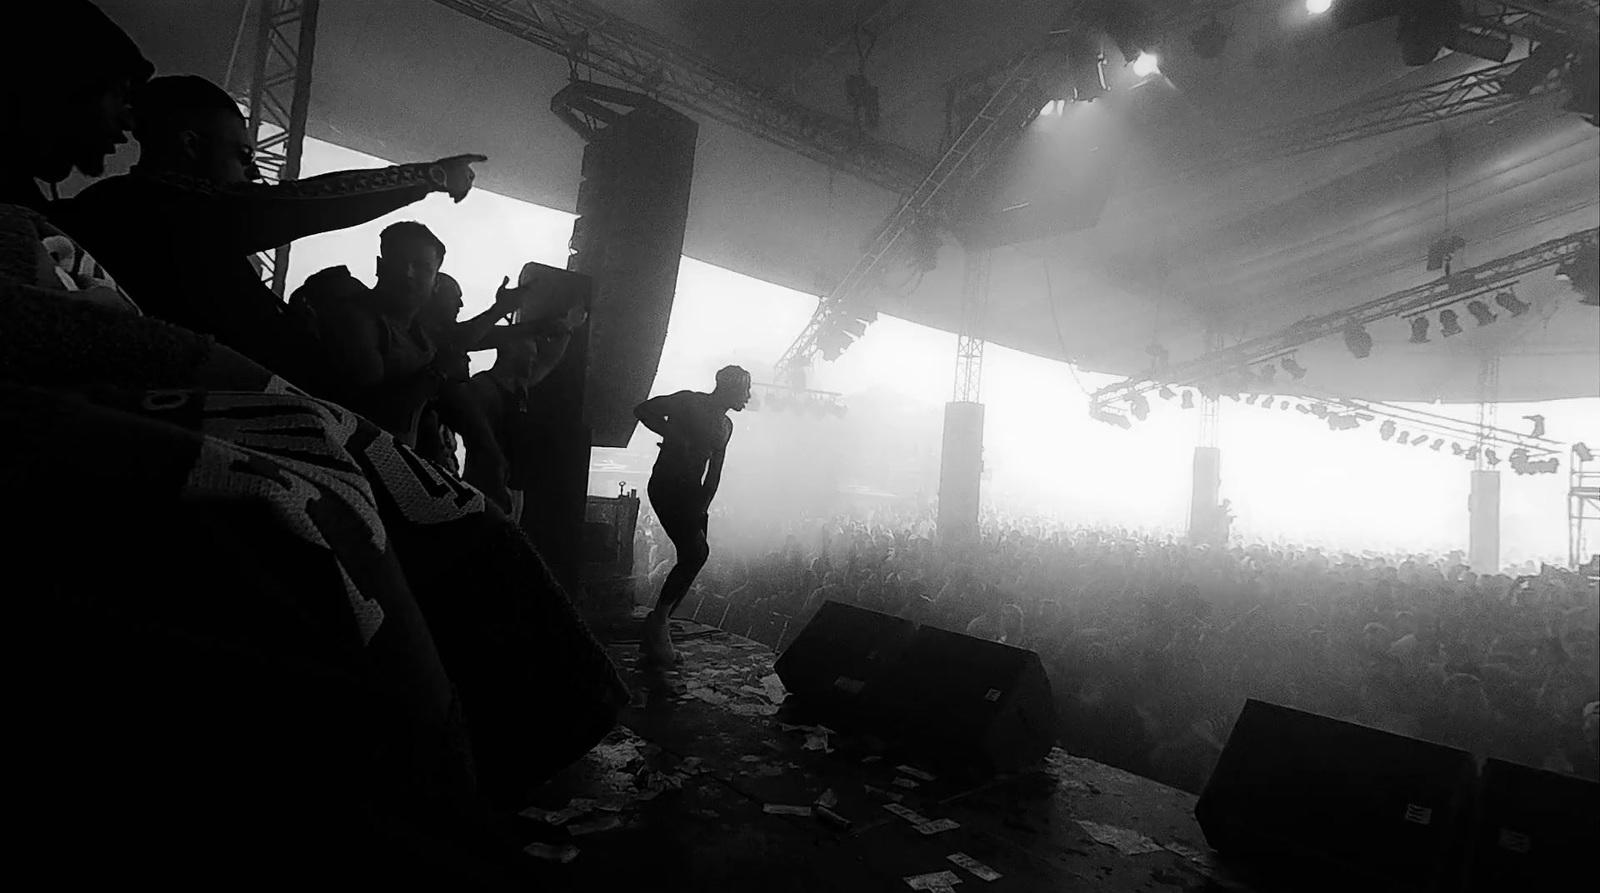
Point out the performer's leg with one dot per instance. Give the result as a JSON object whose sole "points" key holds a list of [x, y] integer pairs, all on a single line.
{"points": [[689, 539]]}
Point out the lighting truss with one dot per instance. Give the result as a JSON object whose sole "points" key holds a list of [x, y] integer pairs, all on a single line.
{"points": [[590, 36], [279, 99], [1436, 426], [1013, 102], [1218, 363]]}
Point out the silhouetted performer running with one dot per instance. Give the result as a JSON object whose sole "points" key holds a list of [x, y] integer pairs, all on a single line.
{"points": [[695, 430]]}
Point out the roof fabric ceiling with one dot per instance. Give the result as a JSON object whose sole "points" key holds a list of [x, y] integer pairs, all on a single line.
{"points": [[1180, 246]]}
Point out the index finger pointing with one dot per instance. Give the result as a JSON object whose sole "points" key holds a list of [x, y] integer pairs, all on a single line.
{"points": [[473, 158]]}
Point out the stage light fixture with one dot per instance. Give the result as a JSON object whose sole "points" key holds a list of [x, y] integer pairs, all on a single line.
{"points": [[1583, 452], [1250, 400], [1490, 457], [1481, 312], [1303, 409], [1420, 440], [1284, 406], [1086, 66], [1318, 7], [1358, 341], [1294, 369], [1386, 430], [1449, 323], [1166, 393], [1471, 455], [1582, 273], [1319, 411], [1419, 330], [1188, 399], [1140, 407], [1515, 306], [1458, 449], [1146, 65], [1365, 416], [1437, 445], [1404, 438], [1582, 80]]}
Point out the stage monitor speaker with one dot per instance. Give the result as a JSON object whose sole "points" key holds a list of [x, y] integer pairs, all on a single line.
{"points": [[633, 207], [976, 702], [1534, 832], [838, 662], [1378, 811]]}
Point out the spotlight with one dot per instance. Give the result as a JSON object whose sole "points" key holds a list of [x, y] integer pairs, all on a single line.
{"points": [[1188, 399], [1358, 341], [1480, 312], [1582, 272], [1404, 438], [1284, 406], [1319, 411], [1141, 407], [1365, 416], [1538, 424], [1457, 449], [1449, 323], [1419, 330], [1471, 455], [1165, 393], [1386, 430], [1515, 306], [1250, 400], [1294, 368], [1318, 7], [1147, 64], [1303, 409], [1420, 440], [1490, 457], [1111, 418], [1583, 452], [1437, 444]]}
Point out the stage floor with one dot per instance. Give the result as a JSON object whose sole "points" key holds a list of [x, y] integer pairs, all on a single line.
{"points": [[708, 786]]}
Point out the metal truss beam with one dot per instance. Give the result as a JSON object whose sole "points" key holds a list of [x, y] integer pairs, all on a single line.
{"points": [[590, 36], [1483, 433], [1583, 506], [1388, 113], [969, 343], [279, 100], [1215, 365], [1012, 104]]}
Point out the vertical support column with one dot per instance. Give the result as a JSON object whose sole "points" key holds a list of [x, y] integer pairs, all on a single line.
{"points": [[1483, 503], [1483, 549], [960, 472], [1204, 502], [1206, 482], [969, 343], [279, 102]]}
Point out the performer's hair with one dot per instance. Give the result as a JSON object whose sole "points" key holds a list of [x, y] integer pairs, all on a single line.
{"points": [[732, 376]]}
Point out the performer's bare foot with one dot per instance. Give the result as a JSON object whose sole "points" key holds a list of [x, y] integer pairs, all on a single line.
{"points": [[655, 640]]}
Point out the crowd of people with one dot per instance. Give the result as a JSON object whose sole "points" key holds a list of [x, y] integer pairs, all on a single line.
{"points": [[252, 615], [1153, 645]]}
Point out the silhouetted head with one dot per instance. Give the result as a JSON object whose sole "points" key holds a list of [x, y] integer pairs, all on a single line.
{"points": [[445, 306], [67, 75], [187, 125], [409, 256], [733, 387]]}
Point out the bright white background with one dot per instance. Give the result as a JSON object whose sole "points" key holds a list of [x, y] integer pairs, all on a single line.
{"points": [[1289, 477]]}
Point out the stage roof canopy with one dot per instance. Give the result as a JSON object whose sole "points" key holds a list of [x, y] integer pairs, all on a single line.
{"points": [[1180, 247]]}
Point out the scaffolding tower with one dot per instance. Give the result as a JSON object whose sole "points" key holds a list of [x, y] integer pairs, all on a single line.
{"points": [[1583, 508], [279, 99]]}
